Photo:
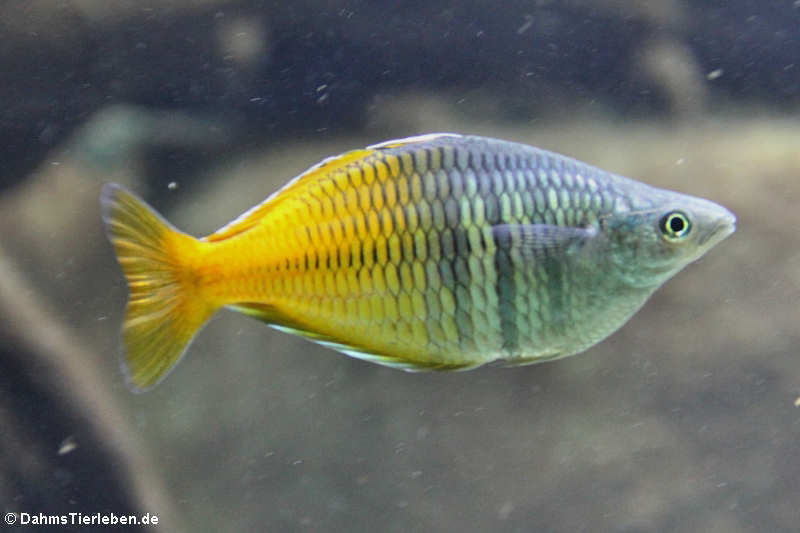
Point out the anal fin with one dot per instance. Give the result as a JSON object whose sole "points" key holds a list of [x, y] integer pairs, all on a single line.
{"points": [[277, 320]]}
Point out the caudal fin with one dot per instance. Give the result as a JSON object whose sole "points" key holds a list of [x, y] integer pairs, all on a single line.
{"points": [[165, 310]]}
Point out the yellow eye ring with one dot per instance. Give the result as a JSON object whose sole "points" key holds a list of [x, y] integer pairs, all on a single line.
{"points": [[675, 226]]}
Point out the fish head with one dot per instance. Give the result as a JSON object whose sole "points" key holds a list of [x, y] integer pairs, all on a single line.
{"points": [[653, 236]]}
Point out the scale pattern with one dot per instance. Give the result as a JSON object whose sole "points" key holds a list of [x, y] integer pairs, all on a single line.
{"points": [[405, 253]]}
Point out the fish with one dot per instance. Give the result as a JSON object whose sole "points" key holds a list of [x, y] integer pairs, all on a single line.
{"points": [[436, 252]]}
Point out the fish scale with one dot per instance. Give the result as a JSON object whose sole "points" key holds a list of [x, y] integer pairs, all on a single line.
{"points": [[461, 251], [435, 252]]}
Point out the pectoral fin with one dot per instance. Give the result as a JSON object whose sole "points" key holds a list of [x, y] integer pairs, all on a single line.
{"points": [[534, 241]]}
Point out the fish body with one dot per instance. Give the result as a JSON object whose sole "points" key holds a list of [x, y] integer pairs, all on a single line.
{"points": [[434, 252]]}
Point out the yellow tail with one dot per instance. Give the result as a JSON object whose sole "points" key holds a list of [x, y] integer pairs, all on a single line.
{"points": [[165, 308]]}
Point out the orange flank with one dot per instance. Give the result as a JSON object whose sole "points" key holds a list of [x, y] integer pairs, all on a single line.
{"points": [[318, 258]]}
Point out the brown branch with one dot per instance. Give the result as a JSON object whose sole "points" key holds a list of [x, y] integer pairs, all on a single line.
{"points": [[27, 323]]}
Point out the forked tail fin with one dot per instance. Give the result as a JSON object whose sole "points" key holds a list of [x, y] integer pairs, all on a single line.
{"points": [[165, 308]]}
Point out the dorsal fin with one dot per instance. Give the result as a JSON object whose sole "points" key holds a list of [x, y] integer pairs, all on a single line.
{"points": [[416, 139], [253, 216]]}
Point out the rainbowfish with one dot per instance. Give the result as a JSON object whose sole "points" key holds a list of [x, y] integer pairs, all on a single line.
{"points": [[435, 252]]}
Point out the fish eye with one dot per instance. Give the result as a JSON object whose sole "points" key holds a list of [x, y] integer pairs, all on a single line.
{"points": [[675, 225]]}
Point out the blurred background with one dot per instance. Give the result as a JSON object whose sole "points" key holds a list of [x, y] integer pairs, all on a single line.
{"points": [[687, 419]]}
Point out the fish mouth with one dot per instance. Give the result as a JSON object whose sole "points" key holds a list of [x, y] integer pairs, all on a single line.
{"points": [[725, 225]]}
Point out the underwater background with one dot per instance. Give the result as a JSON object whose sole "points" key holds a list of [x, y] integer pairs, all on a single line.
{"points": [[687, 419]]}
